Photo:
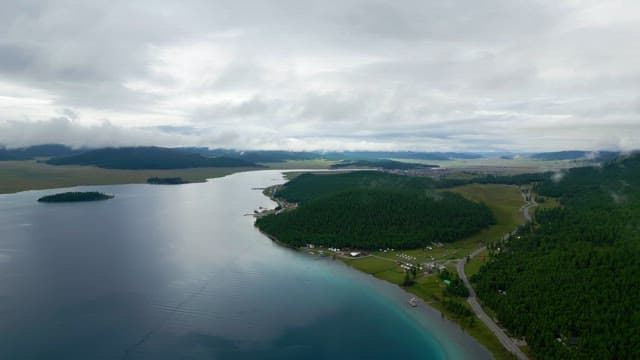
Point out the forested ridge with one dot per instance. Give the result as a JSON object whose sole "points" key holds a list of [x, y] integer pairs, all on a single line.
{"points": [[133, 158], [371, 210], [309, 186], [570, 283]]}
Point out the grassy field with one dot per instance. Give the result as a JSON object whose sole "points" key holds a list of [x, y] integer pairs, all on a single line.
{"points": [[548, 203], [505, 201], [28, 175], [31, 175], [472, 267], [522, 162]]}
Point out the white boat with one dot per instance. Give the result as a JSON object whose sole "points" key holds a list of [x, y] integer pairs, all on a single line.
{"points": [[413, 302]]}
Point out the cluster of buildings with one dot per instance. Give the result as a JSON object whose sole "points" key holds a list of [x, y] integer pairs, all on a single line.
{"points": [[406, 257], [432, 267]]}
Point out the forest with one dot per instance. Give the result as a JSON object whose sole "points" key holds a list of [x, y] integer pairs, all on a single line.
{"points": [[36, 151], [570, 283], [372, 210], [309, 186], [134, 158]]}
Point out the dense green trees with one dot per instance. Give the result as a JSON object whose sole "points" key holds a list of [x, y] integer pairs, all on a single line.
{"points": [[75, 196], [31, 152], [376, 210], [570, 284], [166, 181], [311, 186], [146, 158]]}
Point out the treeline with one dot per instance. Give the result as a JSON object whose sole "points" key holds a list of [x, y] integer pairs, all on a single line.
{"points": [[373, 214], [570, 283], [166, 181], [309, 186], [520, 179], [576, 155]]}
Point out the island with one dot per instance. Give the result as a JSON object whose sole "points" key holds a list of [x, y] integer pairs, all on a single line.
{"points": [[166, 181], [75, 197]]}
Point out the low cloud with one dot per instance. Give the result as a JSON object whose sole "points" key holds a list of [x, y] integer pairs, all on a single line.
{"points": [[557, 176], [64, 131]]}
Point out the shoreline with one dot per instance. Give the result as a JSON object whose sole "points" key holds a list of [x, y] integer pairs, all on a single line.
{"points": [[422, 303], [22, 176], [503, 351]]}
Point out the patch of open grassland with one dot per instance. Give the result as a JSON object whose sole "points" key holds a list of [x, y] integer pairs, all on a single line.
{"points": [[301, 164], [28, 175], [505, 201]]}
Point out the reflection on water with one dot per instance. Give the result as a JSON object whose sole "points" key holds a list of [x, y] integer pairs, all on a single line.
{"points": [[165, 272]]}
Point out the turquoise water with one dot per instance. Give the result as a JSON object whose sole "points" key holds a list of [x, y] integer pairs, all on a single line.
{"points": [[178, 272]]}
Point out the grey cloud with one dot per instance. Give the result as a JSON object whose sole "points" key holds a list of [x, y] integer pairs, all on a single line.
{"points": [[312, 74]]}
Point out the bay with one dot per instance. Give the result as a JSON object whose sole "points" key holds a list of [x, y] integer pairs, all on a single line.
{"points": [[180, 272]]}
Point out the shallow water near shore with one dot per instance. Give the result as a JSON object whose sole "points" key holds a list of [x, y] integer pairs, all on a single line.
{"points": [[167, 272]]}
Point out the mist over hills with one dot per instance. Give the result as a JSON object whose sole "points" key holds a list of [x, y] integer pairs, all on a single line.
{"points": [[31, 152], [152, 157], [575, 154]]}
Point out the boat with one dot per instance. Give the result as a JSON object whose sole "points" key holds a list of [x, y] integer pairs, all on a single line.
{"points": [[413, 302]]}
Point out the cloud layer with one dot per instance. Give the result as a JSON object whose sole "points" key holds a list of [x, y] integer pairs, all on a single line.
{"points": [[314, 75]]}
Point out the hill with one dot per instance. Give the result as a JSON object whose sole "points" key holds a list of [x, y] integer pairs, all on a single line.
{"points": [[256, 156], [274, 156], [146, 158], [410, 155], [310, 186], [575, 155], [368, 210], [569, 284], [31, 152]]}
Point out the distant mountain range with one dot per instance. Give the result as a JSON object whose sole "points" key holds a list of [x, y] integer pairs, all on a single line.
{"points": [[256, 156], [33, 152], [576, 155], [183, 157]]}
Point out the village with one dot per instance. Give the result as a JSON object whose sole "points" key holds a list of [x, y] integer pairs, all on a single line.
{"points": [[430, 260]]}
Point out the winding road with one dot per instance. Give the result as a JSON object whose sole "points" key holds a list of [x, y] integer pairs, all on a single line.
{"points": [[506, 341]]}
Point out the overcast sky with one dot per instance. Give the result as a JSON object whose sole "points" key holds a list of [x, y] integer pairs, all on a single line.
{"points": [[322, 75]]}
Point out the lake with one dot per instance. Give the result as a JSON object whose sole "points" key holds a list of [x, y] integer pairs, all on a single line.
{"points": [[179, 272]]}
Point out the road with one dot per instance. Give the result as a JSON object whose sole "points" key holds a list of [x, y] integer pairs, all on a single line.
{"points": [[504, 339]]}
